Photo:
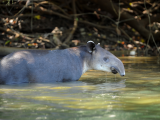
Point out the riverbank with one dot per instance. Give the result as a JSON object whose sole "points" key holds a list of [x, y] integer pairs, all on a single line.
{"points": [[7, 50]]}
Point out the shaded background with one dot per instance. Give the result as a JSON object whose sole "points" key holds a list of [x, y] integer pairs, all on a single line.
{"points": [[117, 25]]}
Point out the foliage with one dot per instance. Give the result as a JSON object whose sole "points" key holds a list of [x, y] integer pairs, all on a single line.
{"points": [[60, 23]]}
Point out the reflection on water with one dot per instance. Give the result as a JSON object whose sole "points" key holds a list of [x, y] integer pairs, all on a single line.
{"points": [[98, 95]]}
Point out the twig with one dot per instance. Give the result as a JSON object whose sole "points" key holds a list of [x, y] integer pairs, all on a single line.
{"points": [[137, 11], [150, 28], [44, 2], [127, 36], [113, 8], [21, 15], [46, 11], [27, 3], [32, 18], [43, 10], [75, 23], [17, 34], [95, 25], [95, 14]]}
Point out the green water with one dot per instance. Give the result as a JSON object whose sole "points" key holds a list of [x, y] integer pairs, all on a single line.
{"points": [[97, 96]]}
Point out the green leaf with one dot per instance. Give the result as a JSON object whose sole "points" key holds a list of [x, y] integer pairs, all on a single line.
{"points": [[8, 41], [77, 19]]}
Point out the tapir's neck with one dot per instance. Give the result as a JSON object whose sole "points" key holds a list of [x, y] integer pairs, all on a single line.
{"points": [[85, 67], [85, 57]]}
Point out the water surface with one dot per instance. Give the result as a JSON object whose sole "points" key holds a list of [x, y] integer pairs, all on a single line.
{"points": [[96, 96]]}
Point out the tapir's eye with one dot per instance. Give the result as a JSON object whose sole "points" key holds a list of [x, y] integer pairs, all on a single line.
{"points": [[105, 59]]}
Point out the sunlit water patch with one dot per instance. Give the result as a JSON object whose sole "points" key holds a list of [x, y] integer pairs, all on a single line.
{"points": [[97, 95]]}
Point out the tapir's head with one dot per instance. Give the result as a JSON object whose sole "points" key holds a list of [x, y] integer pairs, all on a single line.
{"points": [[102, 59]]}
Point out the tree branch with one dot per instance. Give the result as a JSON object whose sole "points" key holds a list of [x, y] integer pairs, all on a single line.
{"points": [[137, 25], [75, 23]]}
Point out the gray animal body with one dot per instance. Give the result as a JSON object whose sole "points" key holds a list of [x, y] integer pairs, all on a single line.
{"points": [[41, 66]]}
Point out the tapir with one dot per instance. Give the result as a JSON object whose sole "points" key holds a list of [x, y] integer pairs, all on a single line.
{"points": [[43, 66]]}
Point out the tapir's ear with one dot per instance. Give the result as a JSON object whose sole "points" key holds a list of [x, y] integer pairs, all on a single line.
{"points": [[90, 46]]}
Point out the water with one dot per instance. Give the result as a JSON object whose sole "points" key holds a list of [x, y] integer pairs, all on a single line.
{"points": [[97, 96]]}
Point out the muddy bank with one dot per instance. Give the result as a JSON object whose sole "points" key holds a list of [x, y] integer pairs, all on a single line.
{"points": [[7, 50]]}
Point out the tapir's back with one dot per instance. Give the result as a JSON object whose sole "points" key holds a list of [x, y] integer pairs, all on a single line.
{"points": [[40, 66]]}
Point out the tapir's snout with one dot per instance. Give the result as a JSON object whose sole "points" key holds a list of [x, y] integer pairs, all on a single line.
{"points": [[115, 70], [116, 65]]}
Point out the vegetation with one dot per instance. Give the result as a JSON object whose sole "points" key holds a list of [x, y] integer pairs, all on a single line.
{"points": [[117, 25]]}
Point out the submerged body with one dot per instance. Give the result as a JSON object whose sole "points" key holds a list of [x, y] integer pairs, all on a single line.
{"points": [[57, 65]]}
